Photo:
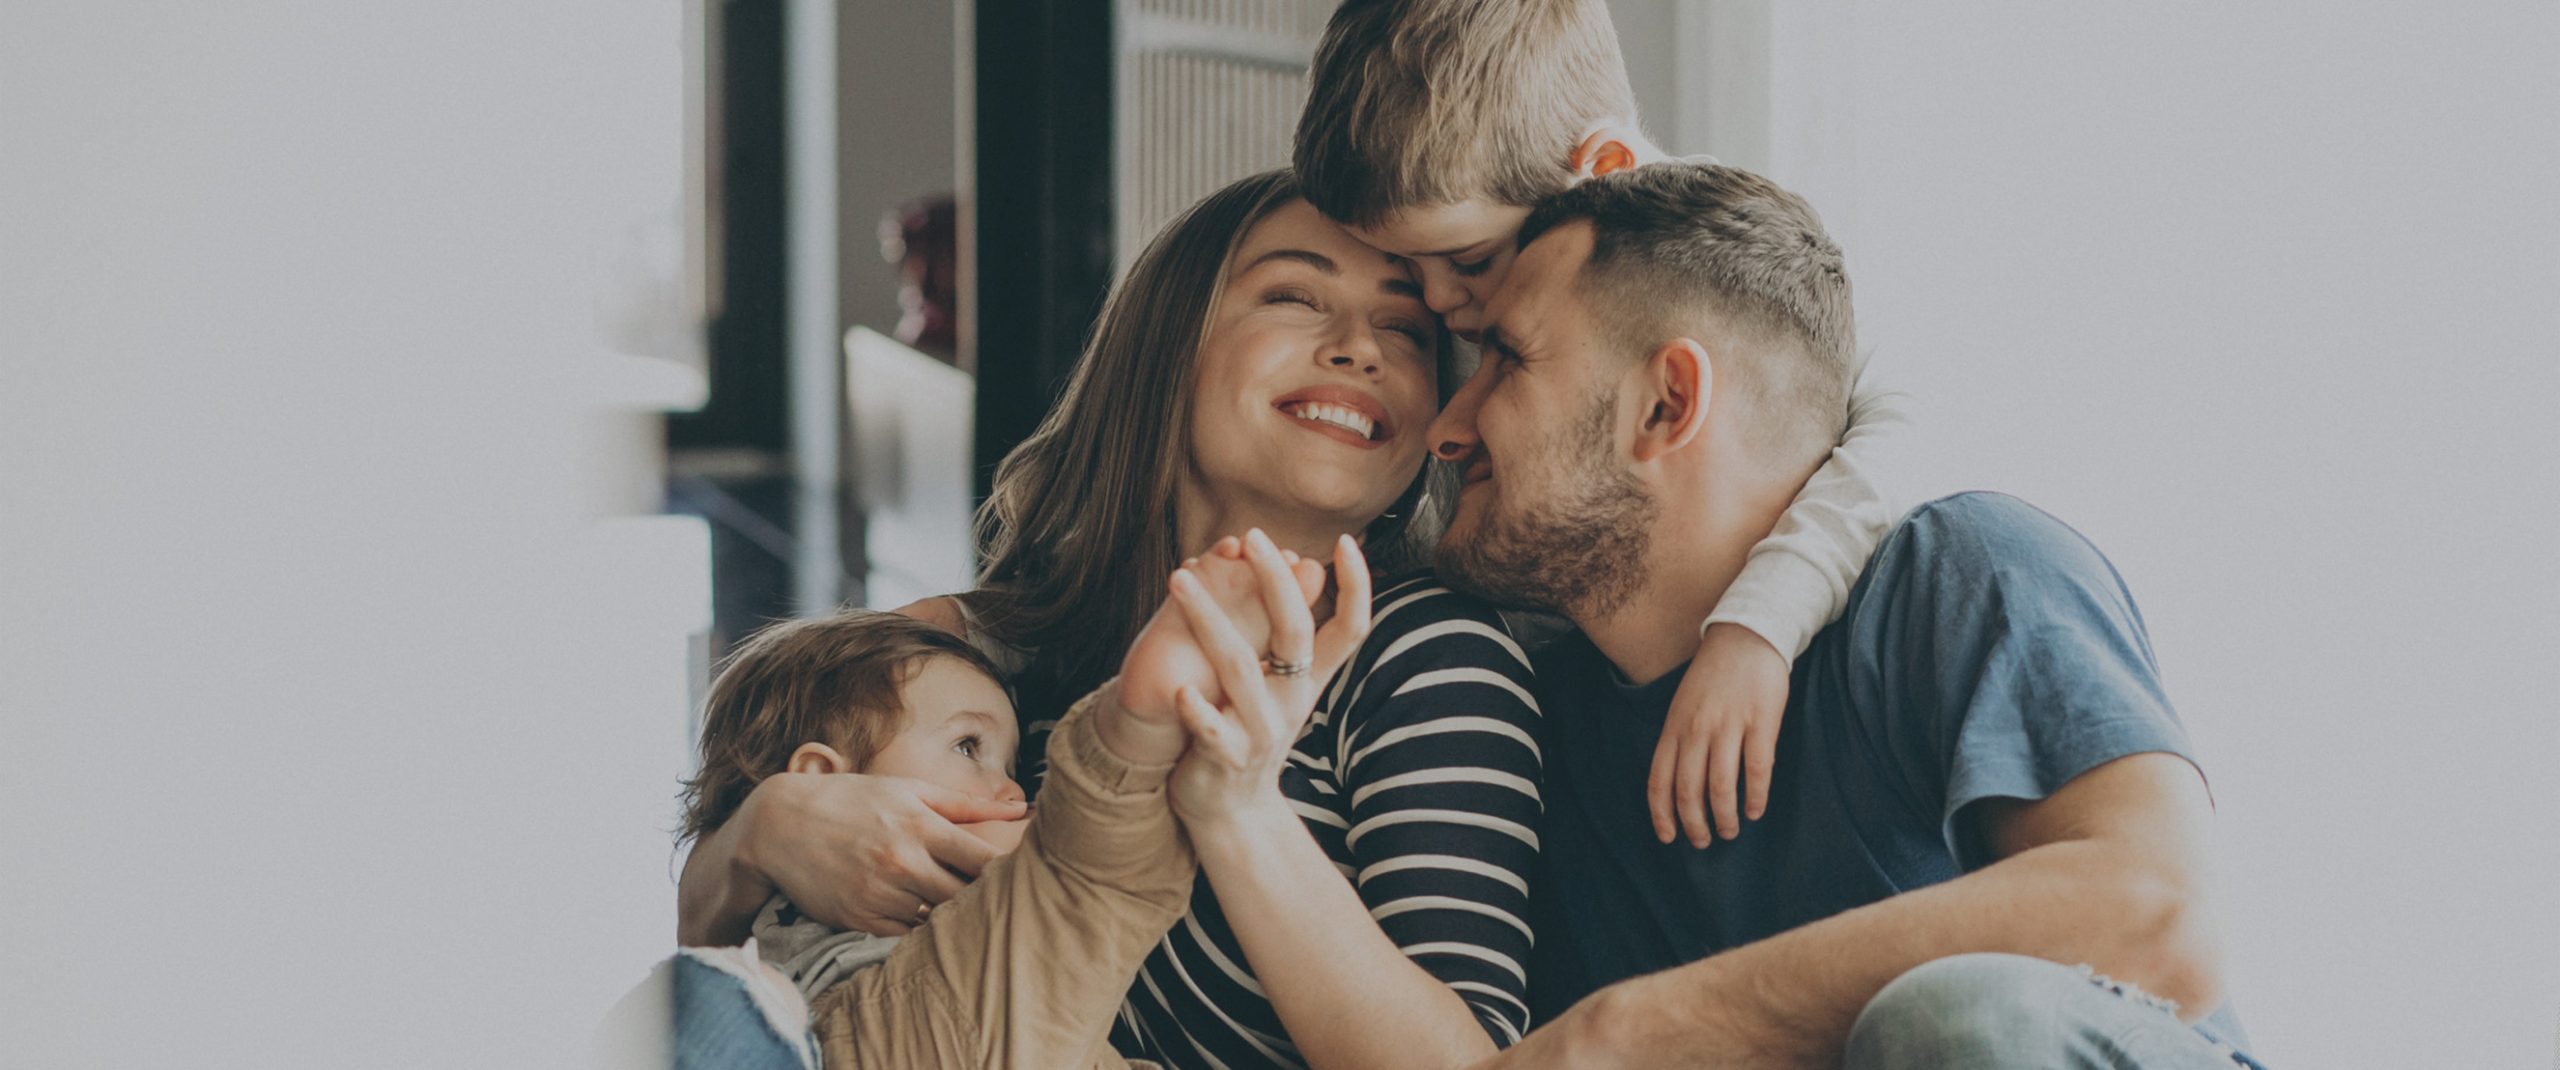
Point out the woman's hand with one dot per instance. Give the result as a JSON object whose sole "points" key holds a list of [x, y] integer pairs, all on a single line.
{"points": [[872, 853], [1165, 658], [1241, 732]]}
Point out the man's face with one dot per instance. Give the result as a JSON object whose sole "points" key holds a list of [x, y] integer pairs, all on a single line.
{"points": [[1461, 251], [1549, 514]]}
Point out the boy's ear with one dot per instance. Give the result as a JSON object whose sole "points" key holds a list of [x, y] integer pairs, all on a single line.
{"points": [[1608, 150], [817, 758], [1677, 385]]}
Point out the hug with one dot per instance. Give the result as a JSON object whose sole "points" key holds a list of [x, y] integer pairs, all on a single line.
{"points": [[1454, 617]]}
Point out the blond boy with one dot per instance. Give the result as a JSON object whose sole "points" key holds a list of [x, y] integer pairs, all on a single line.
{"points": [[1431, 128]]}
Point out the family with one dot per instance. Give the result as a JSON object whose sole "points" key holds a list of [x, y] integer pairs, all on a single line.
{"points": [[1811, 780]]}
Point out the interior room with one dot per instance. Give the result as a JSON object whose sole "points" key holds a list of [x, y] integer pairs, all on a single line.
{"points": [[411, 409]]}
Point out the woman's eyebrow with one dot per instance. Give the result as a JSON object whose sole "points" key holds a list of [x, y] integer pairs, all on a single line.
{"points": [[1309, 257]]}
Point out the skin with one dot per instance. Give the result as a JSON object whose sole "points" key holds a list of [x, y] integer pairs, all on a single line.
{"points": [[2111, 869], [1720, 737], [867, 852], [1306, 306], [960, 735]]}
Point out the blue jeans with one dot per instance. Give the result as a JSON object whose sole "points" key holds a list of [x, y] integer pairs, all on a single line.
{"points": [[2011, 1011], [693, 1015]]}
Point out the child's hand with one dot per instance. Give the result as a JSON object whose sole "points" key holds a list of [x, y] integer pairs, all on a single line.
{"points": [[1240, 741], [1722, 728]]}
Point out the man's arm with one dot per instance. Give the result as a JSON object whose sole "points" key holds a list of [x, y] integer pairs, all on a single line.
{"points": [[2110, 870]]}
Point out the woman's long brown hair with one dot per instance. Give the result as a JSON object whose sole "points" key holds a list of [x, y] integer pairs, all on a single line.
{"points": [[1079, 532]]}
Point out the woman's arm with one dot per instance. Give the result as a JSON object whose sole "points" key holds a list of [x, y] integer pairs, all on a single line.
{"points": [[1420, 963], [853, 851]]}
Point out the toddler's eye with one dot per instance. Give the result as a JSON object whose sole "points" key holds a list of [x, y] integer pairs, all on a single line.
{"points": [[968, 746]]}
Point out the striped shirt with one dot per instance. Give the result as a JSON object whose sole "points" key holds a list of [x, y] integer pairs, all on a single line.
{"points": [[1418, 775]]}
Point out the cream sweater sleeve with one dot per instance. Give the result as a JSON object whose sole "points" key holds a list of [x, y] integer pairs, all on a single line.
{"points": [[1797, 580]]}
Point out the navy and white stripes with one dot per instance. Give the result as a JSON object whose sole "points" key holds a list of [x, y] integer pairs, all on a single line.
{"points": [[1419, 776]]}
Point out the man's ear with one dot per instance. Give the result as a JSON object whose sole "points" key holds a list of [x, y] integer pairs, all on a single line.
{"points": [[1608, 150], [817, 758], [1678, 382]]}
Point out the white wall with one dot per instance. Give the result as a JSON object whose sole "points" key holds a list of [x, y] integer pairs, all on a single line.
{"points": [[337, 729], [2262, 298]]}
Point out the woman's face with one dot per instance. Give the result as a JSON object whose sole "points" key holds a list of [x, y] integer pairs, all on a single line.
{"points": [[1317, 379]]}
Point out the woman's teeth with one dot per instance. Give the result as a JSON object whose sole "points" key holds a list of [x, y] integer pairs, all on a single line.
{"points": [[1338, 416]]}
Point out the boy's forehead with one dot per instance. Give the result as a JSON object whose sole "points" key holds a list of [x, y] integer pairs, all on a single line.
{"points": [[1445, 229]]}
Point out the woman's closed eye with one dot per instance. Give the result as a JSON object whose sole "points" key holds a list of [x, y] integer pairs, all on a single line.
{"points": [[1470, 269], [1291, 296], [1421, 334]]}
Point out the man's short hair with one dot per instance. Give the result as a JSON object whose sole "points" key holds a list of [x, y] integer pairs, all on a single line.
{"points": [[1415, 103], [1717, 253]]}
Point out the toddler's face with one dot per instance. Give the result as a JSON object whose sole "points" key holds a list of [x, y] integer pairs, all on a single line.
{"points": [[1460, 250], [960, 735]]}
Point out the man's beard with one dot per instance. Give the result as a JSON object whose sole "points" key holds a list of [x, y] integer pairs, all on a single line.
{"points": [[1582, 553]]}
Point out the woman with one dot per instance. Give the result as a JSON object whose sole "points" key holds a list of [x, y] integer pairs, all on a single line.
{"points": [[1259, 369]]}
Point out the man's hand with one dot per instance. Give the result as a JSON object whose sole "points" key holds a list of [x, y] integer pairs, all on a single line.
{"points": [[865, 852], [1635, 1025], [1720, 738]]}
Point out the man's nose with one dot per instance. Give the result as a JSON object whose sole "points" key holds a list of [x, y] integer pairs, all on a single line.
{"points": [[1453, 432]]}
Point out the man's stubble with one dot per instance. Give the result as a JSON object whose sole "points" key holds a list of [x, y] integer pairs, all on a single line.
{"points": [[1580, 552]]}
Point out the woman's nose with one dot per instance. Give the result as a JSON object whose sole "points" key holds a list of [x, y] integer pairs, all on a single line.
{"points": [[1365, 364]]}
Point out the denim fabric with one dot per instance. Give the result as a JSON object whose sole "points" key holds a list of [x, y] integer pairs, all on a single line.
{"points": [[715, 1023], [2000, 1012]]}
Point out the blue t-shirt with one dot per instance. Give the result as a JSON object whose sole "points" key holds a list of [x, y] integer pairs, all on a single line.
{"points": [[1988, 652]]}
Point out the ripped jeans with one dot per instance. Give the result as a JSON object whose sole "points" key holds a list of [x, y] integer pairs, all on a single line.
{"points": [[706, 1009], [2012, 1011]]}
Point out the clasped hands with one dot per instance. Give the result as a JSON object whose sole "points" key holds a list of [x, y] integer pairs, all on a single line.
{"points": [[1208, 677]]}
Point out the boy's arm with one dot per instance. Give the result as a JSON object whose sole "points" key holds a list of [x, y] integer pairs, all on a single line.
{"points": [[1027, 965], [2109, 870], [1798, 578], [1721, 734]]}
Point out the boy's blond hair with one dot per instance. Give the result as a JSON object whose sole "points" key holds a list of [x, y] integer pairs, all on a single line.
{"points": [[1414, 103], [834, 680]]}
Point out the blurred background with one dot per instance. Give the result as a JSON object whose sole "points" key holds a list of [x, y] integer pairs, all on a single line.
{"points": [[402, 406]]}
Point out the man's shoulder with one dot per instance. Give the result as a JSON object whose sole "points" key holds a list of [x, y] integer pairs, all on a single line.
{"points": [[1983, 538], [1962, 567]]}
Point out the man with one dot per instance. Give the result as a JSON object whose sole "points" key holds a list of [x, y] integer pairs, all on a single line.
{"points": [[1979, 784]]}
